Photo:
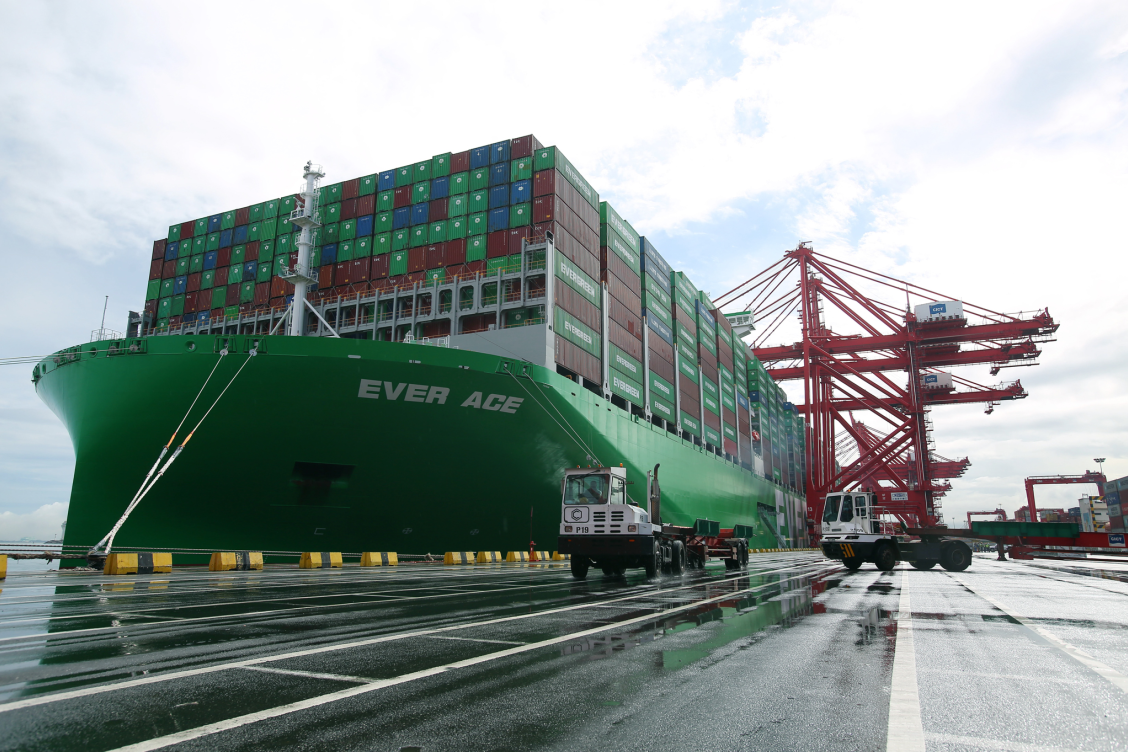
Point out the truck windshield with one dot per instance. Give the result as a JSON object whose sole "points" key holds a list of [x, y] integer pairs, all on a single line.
{"points": [[586, 489], [847, 509], [830, 510]]}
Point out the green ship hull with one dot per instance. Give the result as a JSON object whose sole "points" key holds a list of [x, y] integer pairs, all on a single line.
{"points": [[358, 445]]}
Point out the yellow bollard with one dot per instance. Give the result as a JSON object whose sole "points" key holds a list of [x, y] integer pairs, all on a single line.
{"points": [[379, 559]]}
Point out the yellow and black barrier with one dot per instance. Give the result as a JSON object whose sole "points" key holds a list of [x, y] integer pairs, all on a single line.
{"points": [[518, 556], [379, 559], [139, 563], [3, 566], [489, 557], [458, 557], [225, 561], [557, 556], [321, 560]]}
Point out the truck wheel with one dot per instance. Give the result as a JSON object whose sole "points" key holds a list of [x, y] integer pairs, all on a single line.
{"points": [[885, 557], [853, 563], [923, 565], [955, 557], [743, 554], [677, 557], [731, 564], [654, 564], [579, 567]]}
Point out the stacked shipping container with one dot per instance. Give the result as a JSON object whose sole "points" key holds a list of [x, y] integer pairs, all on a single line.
{"points": [[621, 317]]}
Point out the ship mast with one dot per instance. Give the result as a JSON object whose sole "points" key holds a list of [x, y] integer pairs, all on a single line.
{"points": [[304, 216]]}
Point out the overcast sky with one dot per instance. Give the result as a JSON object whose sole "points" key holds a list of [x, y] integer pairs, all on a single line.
{"points": [[975, 148]]}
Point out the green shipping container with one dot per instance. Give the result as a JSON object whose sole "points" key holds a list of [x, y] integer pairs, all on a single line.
{"points": [[381, 244], [459, 183], [264, 271], [421, 171], [270, 209], [421, 192], [711, 436], [363, 247], [457, 206], [479, 179], [164, 309], [609, 220], [435, 276], [521, 169], [238, 254], [269, 229], [348, 229], [440, 165], [690, 423], [247, 292], [383, 222], [329, 213], [625, 364], [456, 228], [368, 185], [576, 332], [153, 291], [212, 243], [266, 250], [652, 288], [173, 233], [177, 305], [201, 227], [219, 296], [624, 386], [255, 214], [344, 251], [438, 233], [331, 233], [287, 204], [397, 265], [477, 224], [401, 239], [195, 264], [520, 215], [688, 369], [657, 310], [386, 201], [479, 201], [231, 310], [476, 248], [419, 235], [207, 279], [227, 220], [182, 265], [663, 409], [661, 387], [235, 275], [404, 176]]}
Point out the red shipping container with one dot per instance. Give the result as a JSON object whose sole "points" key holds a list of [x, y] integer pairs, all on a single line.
{"points": [[262, 293], [631, 321], [221, 276], [417, 259], [379, 268], [348, 208], [277, 302], [203, 301], [709, 370], [456, 251], [437, 210], [360, 270], [223, 257], [460, 162], [158, 249], [621, 292], [569, 247], [478, 323], [662, 349], [325, 276], [523, 146], [156, 267], [232, 295], [242, 216], [548, 183], [402, 196], [397, 281], [712, 420], [624, 340], [246, 307], [342, 273], [476, 267], [251, 253], [187, 229], [414, 277], [730, 446], [436, 328], [279, 288], [436, 256], [497, 244], [516, 235], [350, 188], [193, 282], [366, 205], [662, 367], [191, 302], [616, 267], [544, 208], [174, 320], [151, 307], [168, 271]]}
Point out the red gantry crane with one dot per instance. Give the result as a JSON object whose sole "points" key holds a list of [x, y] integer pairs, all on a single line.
{"points": [[887, 368], [1054, 480]]}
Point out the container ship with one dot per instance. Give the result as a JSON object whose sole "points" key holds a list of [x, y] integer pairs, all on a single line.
{"points": [[407, 361]]}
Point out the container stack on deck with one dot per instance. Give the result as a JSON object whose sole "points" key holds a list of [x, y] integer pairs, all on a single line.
{"points": [[623, 322]]}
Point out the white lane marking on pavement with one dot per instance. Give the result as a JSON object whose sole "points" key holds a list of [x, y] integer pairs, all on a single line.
{"points": [[906, 731], [472, 639], [1118, 679], [981, 743], [309, 674], [161, 742], [56, 697]]}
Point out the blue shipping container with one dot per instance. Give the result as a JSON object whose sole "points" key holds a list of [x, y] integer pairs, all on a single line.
{"points": [[364, 225], [180, 285], [499, 174], [240, 235], [171, 250], [499, 196], [479, 157], [214, 222], [210, 259], [419, 214], [652, 270], [250, 269], [498, 219], [704, 315], [401, 218], [740, 400], [329, 254], [189, 318], [225, 239], [659, 327], [499, 152], [440, 187], [521, 191], [386, 181]]}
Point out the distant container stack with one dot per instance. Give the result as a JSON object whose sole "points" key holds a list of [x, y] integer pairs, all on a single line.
{"points": [[621, 320]]}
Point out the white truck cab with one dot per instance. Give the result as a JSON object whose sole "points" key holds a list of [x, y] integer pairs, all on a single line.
{"points": [[596, 503]]}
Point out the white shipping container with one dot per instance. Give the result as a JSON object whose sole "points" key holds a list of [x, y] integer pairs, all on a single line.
{"points": [[936, 381], [939, 311]]}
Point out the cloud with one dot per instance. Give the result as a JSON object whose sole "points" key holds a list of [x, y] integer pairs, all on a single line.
{"points": [[44, 523]]}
